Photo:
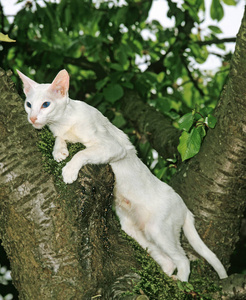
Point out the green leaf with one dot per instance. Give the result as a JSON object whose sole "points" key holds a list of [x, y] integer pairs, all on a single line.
{"points": [[221, 46], [121, 54], [113, 92], [230, 2], [186, 121], [67, 16], [120, 16], [191, 2], [200, 53], [128, 85], [216, 10], [160, 77], [211, 121], [205, 111], [160, 173], [116, 67], [191, 8], [180, 285], [215, 29], [189, 286], [201, 130], [119, 120], [189, 143], [100, 84]]}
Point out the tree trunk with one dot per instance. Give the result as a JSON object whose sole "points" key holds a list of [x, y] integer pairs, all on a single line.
{"points": [[62, 244], [213, 182]]}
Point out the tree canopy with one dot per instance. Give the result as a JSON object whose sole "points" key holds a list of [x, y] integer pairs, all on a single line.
{"points": [[101, 43], [143, 76]]}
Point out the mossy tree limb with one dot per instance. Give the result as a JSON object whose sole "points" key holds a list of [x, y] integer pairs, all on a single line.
{"points": [[61, 244]]}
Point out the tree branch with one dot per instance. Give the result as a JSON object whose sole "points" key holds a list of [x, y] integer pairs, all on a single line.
{"points": [[158, 66], [216, 41], [158, 129], [194, 81]]}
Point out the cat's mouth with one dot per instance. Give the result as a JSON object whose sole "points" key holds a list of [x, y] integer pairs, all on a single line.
{"points": [[37, 125]]}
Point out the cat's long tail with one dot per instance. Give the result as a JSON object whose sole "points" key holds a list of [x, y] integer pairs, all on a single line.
{"points": [[199, 246]]}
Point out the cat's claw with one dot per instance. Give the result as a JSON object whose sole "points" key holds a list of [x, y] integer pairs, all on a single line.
{"points": [[60, 155], [69, 174]]}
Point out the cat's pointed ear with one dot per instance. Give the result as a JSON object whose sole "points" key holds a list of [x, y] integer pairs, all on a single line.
{"points": [[28, 83], [60, 84]]}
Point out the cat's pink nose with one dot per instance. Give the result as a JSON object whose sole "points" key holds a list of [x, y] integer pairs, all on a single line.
{"points": [[33, 119]]}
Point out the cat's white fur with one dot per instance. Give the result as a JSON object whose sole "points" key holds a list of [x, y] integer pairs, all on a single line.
{"points": [[149, 210]]}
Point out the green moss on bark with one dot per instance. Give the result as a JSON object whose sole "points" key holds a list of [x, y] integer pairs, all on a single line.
{"points": [[157, 285]]}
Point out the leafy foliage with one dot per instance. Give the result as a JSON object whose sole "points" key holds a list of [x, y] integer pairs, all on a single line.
{"points": [[100, 44], [194, 132]]}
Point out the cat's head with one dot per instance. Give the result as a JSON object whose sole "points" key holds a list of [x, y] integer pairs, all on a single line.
{"points": [[45, 103]]}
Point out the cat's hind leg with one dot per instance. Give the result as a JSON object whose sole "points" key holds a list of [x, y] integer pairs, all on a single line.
{"points": [[165, 262], [162, 259], [167, 240], [137, 234]]}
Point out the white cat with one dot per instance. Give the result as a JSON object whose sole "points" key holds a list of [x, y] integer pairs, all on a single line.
{"points": [[150, 211]]}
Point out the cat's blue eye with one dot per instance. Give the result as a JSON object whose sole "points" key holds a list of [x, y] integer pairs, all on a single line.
{"points": [[28, 104], [45, 104]]}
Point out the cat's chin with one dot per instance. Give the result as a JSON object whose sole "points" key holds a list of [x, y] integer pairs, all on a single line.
{"points": [[38, 126]]}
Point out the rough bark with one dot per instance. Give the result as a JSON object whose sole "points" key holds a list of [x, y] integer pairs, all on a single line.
{"points": [[213, 182], [61, 244]]}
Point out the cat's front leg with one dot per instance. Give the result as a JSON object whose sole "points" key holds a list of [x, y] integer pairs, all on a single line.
{"points": [[96, 154], [71, 170], [60, 151]]}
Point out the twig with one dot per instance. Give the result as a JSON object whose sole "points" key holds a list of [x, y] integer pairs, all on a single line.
{"points": [[194, 81], [216, 41]]}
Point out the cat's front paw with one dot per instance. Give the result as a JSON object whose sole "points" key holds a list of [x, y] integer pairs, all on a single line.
{"points": [[69, 173], [60, 154]]}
